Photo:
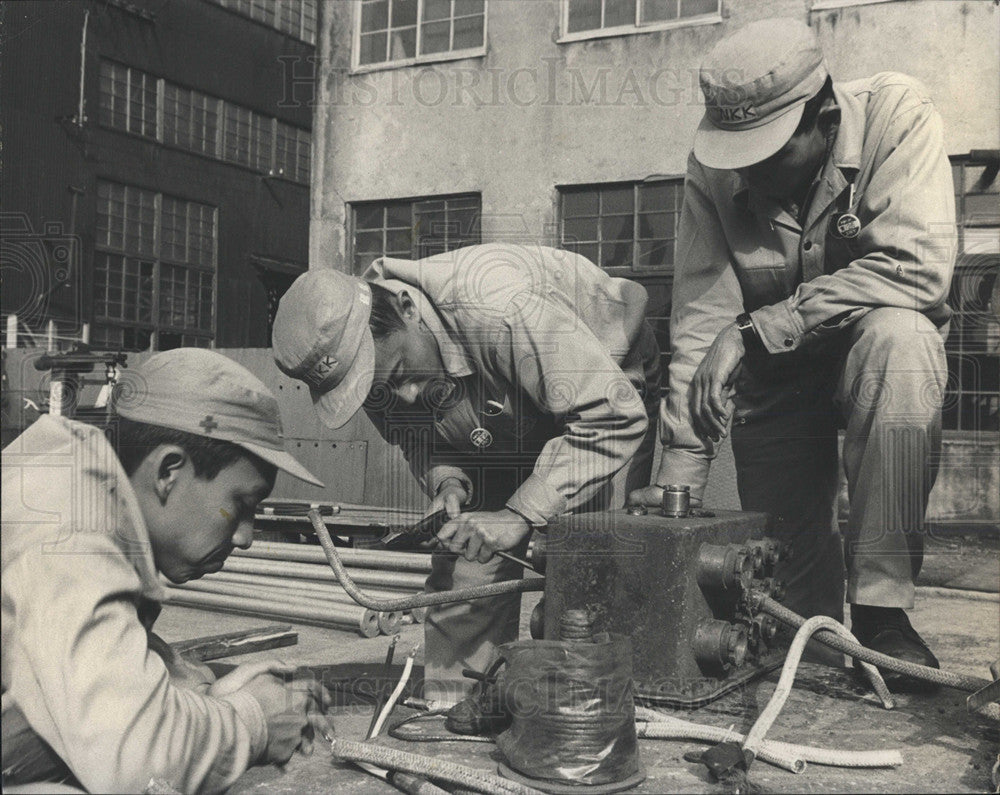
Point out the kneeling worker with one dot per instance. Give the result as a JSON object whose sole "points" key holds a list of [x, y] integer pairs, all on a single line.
{"points": [[91, 696], [518, 381]]}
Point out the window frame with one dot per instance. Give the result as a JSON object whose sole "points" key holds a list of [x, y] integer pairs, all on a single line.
{"points": [[158, 259], [223, 108], [970, 261], [436, 57], [246, 10], [352, 229], [633, 270], [565, 37]]}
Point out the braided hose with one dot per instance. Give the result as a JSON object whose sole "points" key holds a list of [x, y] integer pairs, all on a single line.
{"points": [[418, 600], [787, 755], [755, 737], [761, 601], [393, 759]]}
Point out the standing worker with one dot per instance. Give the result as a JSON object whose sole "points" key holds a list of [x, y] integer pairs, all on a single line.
{"points": [[518, 381], [814, 257]]}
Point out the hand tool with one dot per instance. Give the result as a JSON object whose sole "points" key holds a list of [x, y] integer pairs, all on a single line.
{"points": [[427, 529]]}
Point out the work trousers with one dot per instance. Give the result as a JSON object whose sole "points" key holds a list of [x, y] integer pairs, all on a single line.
{"points": [[882, 379], [464, 635]]}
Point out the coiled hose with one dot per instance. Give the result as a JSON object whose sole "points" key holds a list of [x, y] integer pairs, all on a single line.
{"points": [[755, 737], [656, 725], [393, 759], [419, 600], [763, 602]]}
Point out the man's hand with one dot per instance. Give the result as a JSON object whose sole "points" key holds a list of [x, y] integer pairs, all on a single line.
{"points": [[710, 397], [451, 496], [287, 706], [478, 534]]}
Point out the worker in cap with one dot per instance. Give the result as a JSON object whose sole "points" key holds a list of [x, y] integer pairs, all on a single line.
{"points": [[815, 252], [91, 697], [519, 381]]}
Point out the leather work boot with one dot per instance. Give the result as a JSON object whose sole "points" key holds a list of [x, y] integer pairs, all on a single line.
{"points": [[888, 630]]}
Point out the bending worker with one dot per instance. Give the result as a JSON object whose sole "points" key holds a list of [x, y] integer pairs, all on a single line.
{"points": [[518, 381], [91, 697], [815, 253]]}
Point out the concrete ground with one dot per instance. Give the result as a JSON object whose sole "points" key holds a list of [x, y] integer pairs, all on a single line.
{"points": [[944, 748]]}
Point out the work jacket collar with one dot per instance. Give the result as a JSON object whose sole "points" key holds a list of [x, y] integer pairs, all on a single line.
{"points": [[397, 275], [836, 175]]}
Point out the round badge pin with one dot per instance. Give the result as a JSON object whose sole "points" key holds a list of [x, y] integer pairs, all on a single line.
{"points": [[848, 225], [481, 437]]}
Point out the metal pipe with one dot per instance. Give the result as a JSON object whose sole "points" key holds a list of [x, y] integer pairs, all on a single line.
{"points": [[359, 558], [256, 592], [365, 621], [388, 622], [308, 571], [420, 600], [332, 590]]}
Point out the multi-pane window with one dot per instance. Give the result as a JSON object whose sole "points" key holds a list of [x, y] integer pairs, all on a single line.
{"points": [[200, 123], [190, 120], [295, 17], [972, 401], [414, 228], [154, 270], [248, 138], [127, 99], [628, 16], [407, 30], [629, 228], [631, 225], [291, 152]]}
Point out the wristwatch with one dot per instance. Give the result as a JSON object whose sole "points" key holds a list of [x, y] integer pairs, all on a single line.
{"points": [[751, 339]]}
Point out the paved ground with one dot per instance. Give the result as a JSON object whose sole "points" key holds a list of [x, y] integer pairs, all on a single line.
{"points": [[944, 748]]}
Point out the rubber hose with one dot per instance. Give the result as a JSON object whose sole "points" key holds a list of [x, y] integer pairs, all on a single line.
{"points": [[755, 737], [968, 684], [393, 759], [396, 731], [418, 600], [660, 726]]}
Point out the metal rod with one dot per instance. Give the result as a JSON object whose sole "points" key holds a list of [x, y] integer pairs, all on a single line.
{"points": [[485, 591], [308, 571], [360, 558], [333, 589], [365, 621], [216, 585]]}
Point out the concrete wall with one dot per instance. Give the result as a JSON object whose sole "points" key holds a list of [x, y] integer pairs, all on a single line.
{"points": [[533, 114]]}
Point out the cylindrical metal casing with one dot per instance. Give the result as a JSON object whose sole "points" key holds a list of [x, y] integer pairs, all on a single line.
{"points": [[676, 501]]}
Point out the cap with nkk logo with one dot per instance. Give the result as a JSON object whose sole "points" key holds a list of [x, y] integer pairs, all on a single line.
{"points": [[321, 336], [756, 83]]}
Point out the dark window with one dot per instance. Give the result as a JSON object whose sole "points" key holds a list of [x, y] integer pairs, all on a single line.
{"points": [[630, 229], [295, 17], [972, 400], [405, 30], [196, 122], [626, 16], [414, 228], [154, 270]]}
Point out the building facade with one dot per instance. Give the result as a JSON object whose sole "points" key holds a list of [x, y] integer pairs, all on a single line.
{"points": [[155, 188]]}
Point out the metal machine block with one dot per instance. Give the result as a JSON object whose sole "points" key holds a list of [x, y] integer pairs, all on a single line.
{"points": [[675, 585]]}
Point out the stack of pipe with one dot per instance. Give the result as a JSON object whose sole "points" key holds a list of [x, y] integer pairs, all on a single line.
{"points": [[294, 582]]}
